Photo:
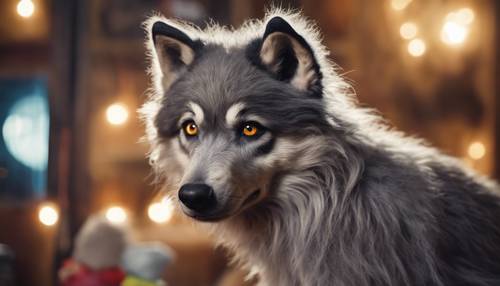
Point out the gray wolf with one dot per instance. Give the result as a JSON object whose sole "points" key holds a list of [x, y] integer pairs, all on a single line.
{"points": [[264, 144]]}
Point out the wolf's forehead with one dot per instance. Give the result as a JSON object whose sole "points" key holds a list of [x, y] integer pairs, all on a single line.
{"points": [[218, 80], [220, 74]]}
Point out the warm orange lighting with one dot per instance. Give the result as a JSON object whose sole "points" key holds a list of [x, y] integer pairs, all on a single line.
{"points": [[25, 8], [48, 214], [456, 27], [117, 114], [116, 215], [453, 33], [417, 47], [161, 212], [476, 150], [408, 30], [464, 16], [399, 5]]}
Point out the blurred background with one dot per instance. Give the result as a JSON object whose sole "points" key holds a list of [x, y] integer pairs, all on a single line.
{"points": [[72, 75]]}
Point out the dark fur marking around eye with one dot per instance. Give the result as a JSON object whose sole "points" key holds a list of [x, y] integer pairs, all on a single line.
{"points": [[266, 148], [166, 121], [260, 131], [183, 148]]}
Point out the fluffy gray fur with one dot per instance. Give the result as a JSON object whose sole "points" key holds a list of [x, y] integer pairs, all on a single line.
{"points": [[347, 201]]}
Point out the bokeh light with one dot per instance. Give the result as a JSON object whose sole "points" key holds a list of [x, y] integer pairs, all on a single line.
{"points": [[417, 47], [399, 5], [408, 30], [453, 33], [161, 212], [476, 150], [456, 26], [48, 214], [464, 16], [25, 8], [116, 215], [117, 114]]}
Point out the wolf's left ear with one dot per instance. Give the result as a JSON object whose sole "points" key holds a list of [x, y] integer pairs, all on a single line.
{"points": [[288, 56], [175, 51]]}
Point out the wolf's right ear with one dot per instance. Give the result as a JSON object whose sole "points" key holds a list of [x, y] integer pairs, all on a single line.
{"points": [[174, 49]]}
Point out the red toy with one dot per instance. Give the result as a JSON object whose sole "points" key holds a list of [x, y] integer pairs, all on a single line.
{"points": [[97, 254], [74, 273]]}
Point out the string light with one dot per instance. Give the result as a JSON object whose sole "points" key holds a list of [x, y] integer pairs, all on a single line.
{"points": [[25, 8], [417, 47], [117, 114], [456, 26], [408, 30], [476, 150], [48, 215], [161, 212], [116, 215]]}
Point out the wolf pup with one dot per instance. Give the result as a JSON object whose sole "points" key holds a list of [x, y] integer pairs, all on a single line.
{"points": [[262, 140]]}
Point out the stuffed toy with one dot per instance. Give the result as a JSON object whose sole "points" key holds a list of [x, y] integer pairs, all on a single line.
{"points": [[98, 250], [145, 263]]}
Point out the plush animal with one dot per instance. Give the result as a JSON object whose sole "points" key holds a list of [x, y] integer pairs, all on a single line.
{"points": [[145, 264], [98, 250], [266, 146]]}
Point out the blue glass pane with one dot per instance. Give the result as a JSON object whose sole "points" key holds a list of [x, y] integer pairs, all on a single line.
{"points": [[24, 138]]}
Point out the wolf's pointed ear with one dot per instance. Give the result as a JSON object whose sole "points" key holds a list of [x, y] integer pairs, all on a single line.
{"points": [[288, 56], [175, 51]]}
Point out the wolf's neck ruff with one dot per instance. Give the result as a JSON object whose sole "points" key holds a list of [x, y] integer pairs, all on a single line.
{"points": [[285, 239], [262, 138]]}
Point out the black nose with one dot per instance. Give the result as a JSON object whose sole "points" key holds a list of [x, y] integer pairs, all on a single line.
{"points": [[198, 197]]}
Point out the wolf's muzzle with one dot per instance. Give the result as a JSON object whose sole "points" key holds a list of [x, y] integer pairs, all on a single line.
{"points": [[198, 197]]}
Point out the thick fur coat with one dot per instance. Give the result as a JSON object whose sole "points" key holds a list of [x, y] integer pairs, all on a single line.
{"points": [[342, 199]]}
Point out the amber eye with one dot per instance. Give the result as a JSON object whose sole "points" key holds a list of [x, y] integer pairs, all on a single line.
{"points": [[191, 129], [250, 130]]}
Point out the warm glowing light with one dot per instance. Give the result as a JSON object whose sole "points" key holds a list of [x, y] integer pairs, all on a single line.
{"points": [[464, 16], [116, 215], [408, 30], [453, 33], [476, 150], [399, 5], [456, 26], [417, 47], [161, 212], [25, 8], [117, 114], [48, 215]]}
